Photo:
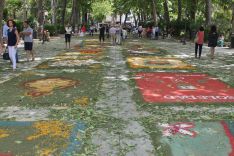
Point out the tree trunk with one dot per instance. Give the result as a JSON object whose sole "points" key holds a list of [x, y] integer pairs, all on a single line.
{"points": [[232, 36], [166, 12], [53, 11], [139, 17], [154, 13], [193, 9], [40, 13], [85, 16], [208, 12], [126, 17], [135, 19], [75, 13], [2, 2], [120, 18], [64, 6], [179, 10], [233, 17]]}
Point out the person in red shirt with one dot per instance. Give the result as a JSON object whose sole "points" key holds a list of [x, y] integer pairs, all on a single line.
{"points": [[83, 29], [199, 42]]}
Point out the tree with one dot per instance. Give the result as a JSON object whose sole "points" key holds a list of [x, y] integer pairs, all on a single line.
{"points": [[40, 12], [232, 37], [154, 12], [208, 12], [179, 10], [53, 10], [75, 16], [2, 2], [63, 13], [101, 9], [233, 17], [166, 12], [13, 6]]}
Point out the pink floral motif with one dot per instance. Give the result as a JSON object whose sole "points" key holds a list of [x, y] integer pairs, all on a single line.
{"points": [[179, 127]]}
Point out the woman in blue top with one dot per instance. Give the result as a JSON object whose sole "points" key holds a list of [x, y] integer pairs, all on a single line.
{"points": [[12, 41]]}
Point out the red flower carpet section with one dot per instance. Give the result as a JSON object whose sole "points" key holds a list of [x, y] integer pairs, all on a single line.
{"points": [[183, 87]]}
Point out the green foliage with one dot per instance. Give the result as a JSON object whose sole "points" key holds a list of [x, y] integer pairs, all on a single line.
{"points": [[51, 28], [101, 9], [60, 29], [13, 6], [19, 25]]}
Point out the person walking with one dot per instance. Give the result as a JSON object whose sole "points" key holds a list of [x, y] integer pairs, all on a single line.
{"points": [[212, 40], [4, 36], [27, 33], [199, 40], [102, 34], [83, 30], [113, 35], [156, 32], [12, 41], [4, 32], [91, 30], [68, 32], [107, 31], [140, 30], [118, 35]]}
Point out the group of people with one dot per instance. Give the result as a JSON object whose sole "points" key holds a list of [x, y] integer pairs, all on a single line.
{"points": [[149, 32], [212, 41], [11, 38], [116, 32]]}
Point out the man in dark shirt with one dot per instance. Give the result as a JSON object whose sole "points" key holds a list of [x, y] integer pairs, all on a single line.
{"points": [[102, 34]]}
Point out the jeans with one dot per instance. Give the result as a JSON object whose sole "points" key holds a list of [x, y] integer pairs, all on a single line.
{"points": [[12, 54], [200, 49]]}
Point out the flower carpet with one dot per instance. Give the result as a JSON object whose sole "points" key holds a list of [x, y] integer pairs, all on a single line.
{"points": [[141, 98], [40, 138]]}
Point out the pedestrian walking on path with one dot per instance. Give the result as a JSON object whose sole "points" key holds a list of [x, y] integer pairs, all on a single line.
{"points": [[68, 32], [140, 30], [91, 29], [113, 35], [27, 34], [102, 34], [4, 36], [107, 31], [212, 40], [199, 40], [83, 31], [12, 41], [118, 35]]}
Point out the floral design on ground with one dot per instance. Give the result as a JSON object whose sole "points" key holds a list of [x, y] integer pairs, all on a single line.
{"points": [[165, 87], [183, 128], [42, 66], [3, 133], [90, 51], [82, 101], [54, 129], [154, 62], [69, 57], [72, 63], [46, 86]]}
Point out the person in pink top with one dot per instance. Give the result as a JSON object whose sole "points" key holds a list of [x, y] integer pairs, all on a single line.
{"points": [[199, 42]]}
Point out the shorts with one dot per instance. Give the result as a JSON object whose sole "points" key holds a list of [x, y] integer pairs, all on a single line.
{"points": [[28, 46], [67, 37], [102, 37]]}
